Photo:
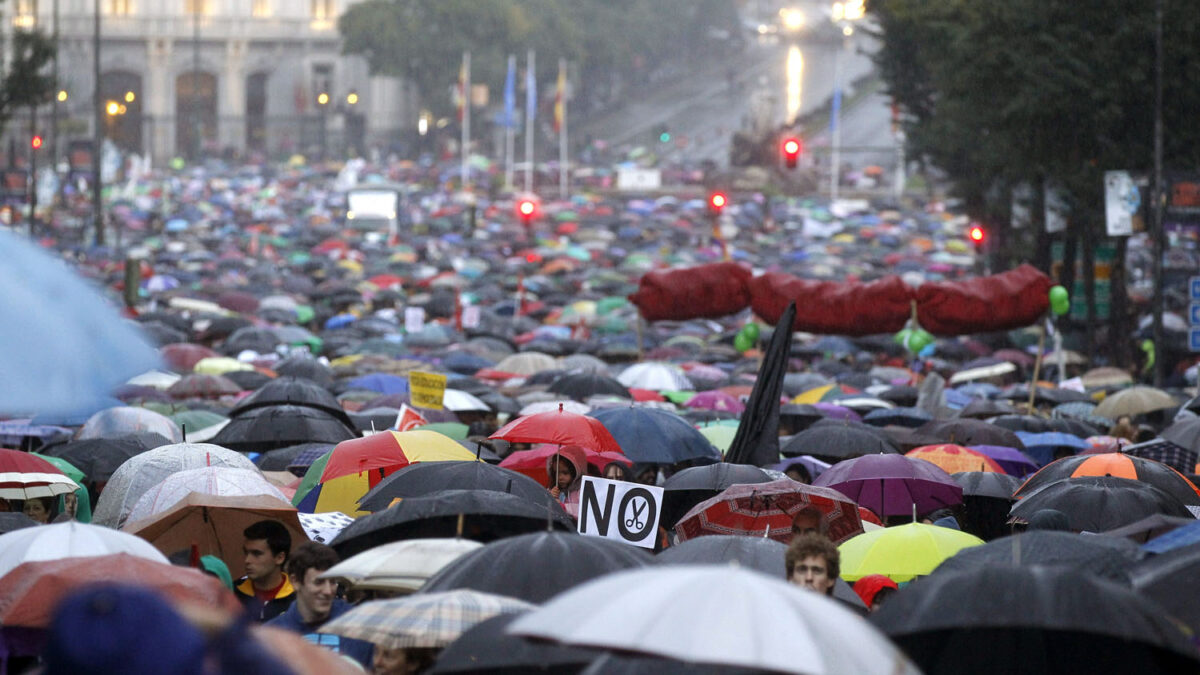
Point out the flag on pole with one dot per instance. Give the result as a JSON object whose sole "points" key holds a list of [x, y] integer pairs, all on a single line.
{"points": [[409, 419], [530, 93], [560, 94], [510, 93], [460, 91]]}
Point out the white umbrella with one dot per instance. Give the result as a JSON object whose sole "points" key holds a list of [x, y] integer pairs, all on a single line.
{"points": [[121, 420], [553, 406], [719, 615], [655, 376], [400, 565], [421, 620], [527, 363], [141, 472], [69, 540], [324, 527], [156, 379], [983, 372], [209, 480], [460, 401]]}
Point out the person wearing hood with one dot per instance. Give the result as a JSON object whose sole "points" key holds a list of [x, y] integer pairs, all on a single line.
{"points": [[565, 469]]}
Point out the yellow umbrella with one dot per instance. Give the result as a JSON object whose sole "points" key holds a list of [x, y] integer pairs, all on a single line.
{"points": [[219, 365], [902, 553]]}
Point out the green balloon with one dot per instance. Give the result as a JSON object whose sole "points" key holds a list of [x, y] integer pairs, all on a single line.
{"points": [[751, 330], [742, 342], [1060, 300]]}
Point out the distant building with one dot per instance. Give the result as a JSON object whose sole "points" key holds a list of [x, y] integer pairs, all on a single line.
{"points": [[189, 77]]}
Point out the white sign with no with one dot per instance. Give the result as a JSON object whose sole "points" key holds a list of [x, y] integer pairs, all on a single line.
{"points": [[614, 509]]}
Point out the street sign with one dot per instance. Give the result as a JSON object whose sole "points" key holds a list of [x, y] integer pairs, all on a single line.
{"points": [[1194, 314], [619, 510], [1194, 338], [1194, 289]]}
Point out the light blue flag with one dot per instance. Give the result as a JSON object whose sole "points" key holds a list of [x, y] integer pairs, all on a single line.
{"points": [[837, 109], [510, 93]]}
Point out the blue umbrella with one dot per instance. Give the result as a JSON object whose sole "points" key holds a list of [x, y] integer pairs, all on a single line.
{"points": [[465, 363], [1042, 446], [650, 435], [62, 345], [1178, 538], [384, 383], [902, 417]]}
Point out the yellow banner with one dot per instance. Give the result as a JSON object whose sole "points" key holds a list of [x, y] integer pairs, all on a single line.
{"points": [[426, 389]]}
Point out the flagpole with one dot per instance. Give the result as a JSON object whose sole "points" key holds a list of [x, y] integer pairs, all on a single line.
{"points": [[562, 130], [510, 128], [531, 97], [466, 120]]}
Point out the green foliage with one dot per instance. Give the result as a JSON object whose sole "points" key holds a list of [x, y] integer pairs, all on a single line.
{"points": [[423, 40], [26, 82], [997, 93]]}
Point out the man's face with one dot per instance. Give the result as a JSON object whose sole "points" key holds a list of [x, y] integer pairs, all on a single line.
{"points": [[812, 573], [315, 595], [806, 523], [260, 562]]}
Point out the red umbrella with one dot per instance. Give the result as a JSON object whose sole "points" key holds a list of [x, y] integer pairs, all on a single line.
{"points": [[532, 463], [559, 427], [24, 476], [646, 395], [32, 591], [768, 508], [182, 357]]}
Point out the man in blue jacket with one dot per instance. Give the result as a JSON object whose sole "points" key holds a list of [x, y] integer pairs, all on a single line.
{"points": [[317, 602]]}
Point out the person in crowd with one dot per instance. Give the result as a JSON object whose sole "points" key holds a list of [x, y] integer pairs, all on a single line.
{"points": [[266, 591], [808, 520], [799, 473], [646, 474], [813, 562], [317, 602], [40, 509], [403, 661], [566, 470], [1124, 428], [874, 589], [616, 471]]}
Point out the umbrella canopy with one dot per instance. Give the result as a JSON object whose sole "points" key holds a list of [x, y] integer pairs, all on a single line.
{"points": [[1117, 464], [1099, 503], [292, 391], [650, 435], [1162, 450], [67, 346], [1151, 527], [582, 384], [903, 552], [12, 520], [421, 620], [687, 488], [489, 648], [987, 484], [27, 476], [971, 432], [203, 386], [989, 619], [1046, 446], [32, 592], [122, 420], [714, 614], [141, 472], [527, 363], [537, 566], [767, 510], [401, 566], [267, 428], [1013, 461], [1163, 578], [751, 552], [655, 376], [892, 485], [559, 427], [837, 441], [1135, 401], [209, 480], [904, 417], [70, 539], [1106, 376], [426, 478], [532, 463], [214, 523], [481, 515], [955, 458], [1107, 557]]}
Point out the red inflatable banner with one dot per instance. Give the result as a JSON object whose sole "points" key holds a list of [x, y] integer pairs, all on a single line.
{"points": [[703, 292], [1012, 299], [836, 307]]}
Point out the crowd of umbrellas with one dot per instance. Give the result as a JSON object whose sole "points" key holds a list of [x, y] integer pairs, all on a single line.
{"points": [[263, 372]]}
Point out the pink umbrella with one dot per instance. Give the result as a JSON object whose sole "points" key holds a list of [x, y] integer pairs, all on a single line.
{"points": [[716, 400]]}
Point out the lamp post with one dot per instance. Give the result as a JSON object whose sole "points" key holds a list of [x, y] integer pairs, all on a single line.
{"points": [[98, 132], [323, 107], [844, 14]]}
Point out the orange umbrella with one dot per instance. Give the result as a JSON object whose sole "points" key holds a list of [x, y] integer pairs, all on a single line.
{"points": [[955, 458]]}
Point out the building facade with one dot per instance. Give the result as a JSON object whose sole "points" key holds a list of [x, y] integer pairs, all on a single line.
{"points": [[193, 78]]}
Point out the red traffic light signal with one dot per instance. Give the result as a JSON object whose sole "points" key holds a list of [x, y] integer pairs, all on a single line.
{"points": [[35, 142], [791, 151], [977, 235], [526, 211], [716, 202]]}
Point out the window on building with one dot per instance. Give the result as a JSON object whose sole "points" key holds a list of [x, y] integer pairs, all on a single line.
{"points": [[261, 8], [322, 10], [196, 7], [24, 13]]}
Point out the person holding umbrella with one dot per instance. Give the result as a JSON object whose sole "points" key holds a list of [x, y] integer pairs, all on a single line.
{"points": [[566, 468]]}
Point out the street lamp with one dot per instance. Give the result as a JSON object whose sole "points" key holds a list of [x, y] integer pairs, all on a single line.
{"points": [[322, 106], [62, 95]]}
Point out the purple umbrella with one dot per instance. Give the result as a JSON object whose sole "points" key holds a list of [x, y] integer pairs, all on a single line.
{"points": [[715, 399], [836, 412], [1013, 461], [814, 466], [890, 485]]}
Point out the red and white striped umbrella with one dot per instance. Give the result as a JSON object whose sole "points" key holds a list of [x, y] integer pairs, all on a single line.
{"points": [[23, 476]]}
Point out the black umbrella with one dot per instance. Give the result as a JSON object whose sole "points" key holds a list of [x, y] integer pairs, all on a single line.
{"points": [[799, 416], [971, 432], [756, 553], [278, 426], [907, 439], [834, 442], [488, 648], [11, 521], [581, 385], [1108, 557], [161, 334], [425, 478], [903, 394], [982, 408], [304, 366], [281, 459], [1168, 578], [536, 566], [1003, 619], [1149, 528], [1045, 395], [1099, 503], [481, 515], [98, 458], [987, 484], [248, 380], [693, 485], [253, 338], [987, 499], [293, 391]]}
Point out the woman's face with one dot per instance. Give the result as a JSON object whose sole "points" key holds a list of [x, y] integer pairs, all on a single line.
{"points": [[35, 509], [565, 475], [70, 504], [613, 472]]}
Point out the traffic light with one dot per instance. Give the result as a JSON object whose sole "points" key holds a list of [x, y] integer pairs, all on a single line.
{"points": [[791, 151], [717, 202], [664, 134], [36, 142], [977, 235], [526, 211]]}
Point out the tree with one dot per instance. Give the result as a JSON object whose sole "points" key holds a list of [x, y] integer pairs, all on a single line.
{"points": [[25, 83]]}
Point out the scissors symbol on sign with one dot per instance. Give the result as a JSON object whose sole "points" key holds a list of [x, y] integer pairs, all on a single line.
{"points": [[636, 521]]}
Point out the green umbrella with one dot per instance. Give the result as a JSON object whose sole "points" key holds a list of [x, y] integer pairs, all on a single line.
{"points": [[720, 436], [456, 430], [678, 397], [311, 478], [563, 216], [64, 466], [195, 420], [304, 313], [606, 305]]}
